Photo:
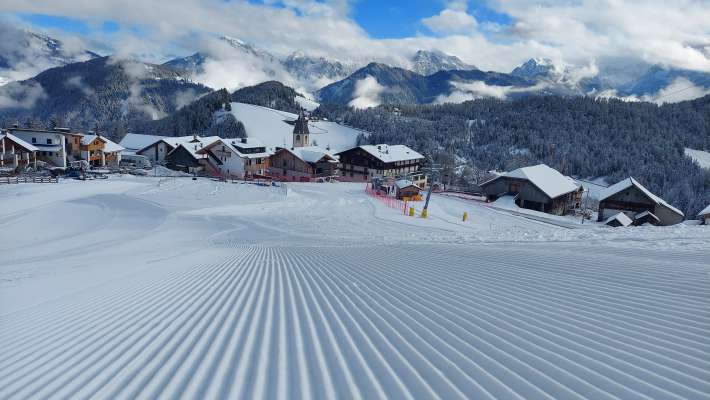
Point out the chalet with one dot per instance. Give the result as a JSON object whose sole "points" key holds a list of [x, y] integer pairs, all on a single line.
{"points": [[15, 152], [405, 188], [538, 188], [98, 150], [362, 163], [637, 202], [165, 150], [705, 215], [302, 164], [51, 144], [236, 157]]}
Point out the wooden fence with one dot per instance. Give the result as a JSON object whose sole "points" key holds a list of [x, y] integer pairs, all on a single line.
{"points": [[10, 180]]}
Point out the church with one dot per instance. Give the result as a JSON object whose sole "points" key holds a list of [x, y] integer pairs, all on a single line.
{"points": [[302, 162]]}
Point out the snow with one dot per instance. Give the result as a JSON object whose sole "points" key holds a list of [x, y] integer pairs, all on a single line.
{"points": [[622, 218], [141, 287], [629, 182], [699, 156], [547, 179], [307, 104], [312, 154], [269, 126], [19, 141], [392, 153], [133, 142], [705, 211]]}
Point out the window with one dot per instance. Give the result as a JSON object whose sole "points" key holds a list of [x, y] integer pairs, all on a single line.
{"points": [[34, 140], [298, 138], [49, 141]]}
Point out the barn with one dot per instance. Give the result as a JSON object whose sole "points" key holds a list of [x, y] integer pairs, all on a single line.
{"points": [[406, 189], [538, 187], [638, 203]]}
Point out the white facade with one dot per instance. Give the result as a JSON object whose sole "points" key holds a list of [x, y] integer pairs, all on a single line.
{"points": [[51, 145]]}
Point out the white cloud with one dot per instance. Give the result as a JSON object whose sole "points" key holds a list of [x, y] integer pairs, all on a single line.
{"points": [[464, 91], [681, 89], [451, 21], [21, 95], [367, 93]]}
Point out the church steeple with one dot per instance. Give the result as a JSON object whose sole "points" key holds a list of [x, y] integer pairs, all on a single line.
{"points": [[300, 132]]}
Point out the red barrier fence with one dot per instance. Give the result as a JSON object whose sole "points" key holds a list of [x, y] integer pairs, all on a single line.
{"points": [[387, 199]]}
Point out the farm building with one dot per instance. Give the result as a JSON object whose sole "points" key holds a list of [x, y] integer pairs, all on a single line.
{"points": [[638, 203], [236, 157], [302, 164], [15, 152], [362, 163], [538, 188], [705, 215], [406, 188]]}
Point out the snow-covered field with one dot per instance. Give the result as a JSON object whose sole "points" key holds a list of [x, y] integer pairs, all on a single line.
{"points": [[268, 126], [174, 288]]}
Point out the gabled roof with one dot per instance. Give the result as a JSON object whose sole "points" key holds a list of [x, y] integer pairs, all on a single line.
{"points": [[548, 180], [112, 147], [622, 218], [89, 138], [312, 154], [394, 153], [232, 144], [403, 183], [135, 141], [706, 211], [631, 182], [191, 143], [19, 142]]}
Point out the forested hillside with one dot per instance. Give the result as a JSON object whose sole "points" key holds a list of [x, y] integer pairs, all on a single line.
{"points": [[579, 136]]}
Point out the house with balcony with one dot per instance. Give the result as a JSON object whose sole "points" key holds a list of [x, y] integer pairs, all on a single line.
{"points": [[236, 158]]}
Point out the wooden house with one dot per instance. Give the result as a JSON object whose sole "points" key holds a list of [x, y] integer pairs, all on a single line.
{"points": [[241, 158], [302, 164], [637, 202], [618, 220], [705, 215], [538, 188], [362, 163], [99, 151], [405, 188], [15, 152], [166, 150]]}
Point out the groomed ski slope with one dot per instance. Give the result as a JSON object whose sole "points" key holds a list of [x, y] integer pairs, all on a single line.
{"points": [[173, 288]]}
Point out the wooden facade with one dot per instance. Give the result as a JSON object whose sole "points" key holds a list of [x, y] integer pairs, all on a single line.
{"points": [[15, 152], [530, 196], [288, 166], [634, 201], [359, 165]]}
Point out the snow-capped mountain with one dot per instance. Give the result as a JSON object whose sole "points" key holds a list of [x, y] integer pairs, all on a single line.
{"points": [[319, 70], [540, 68], [23, 53], [426, 62]]}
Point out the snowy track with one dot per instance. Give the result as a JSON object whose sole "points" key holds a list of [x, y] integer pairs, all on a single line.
{"points": [[278, 322], [261, 313]]}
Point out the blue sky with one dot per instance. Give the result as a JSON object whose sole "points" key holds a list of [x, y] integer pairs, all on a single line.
{"points": [[393, 19]]}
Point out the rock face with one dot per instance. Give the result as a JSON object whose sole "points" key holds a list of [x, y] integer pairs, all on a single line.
{"points": [[430, 62]]}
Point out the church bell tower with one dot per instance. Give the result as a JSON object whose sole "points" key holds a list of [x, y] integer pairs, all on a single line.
{"points": [[300, 132]]}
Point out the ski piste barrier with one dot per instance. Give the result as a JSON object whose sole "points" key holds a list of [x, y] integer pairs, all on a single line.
{"points": [[390, 201]]}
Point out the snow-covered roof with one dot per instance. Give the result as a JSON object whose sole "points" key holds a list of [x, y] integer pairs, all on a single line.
{"points": [[393, 153], [112, 147], [312, 154], [706, 211], [191, 143], [89, 138], [232, 143], [622, 218], [246, 143], [629, 182], [547, 179], [403, 183], [135, 141], [19, 141]]}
